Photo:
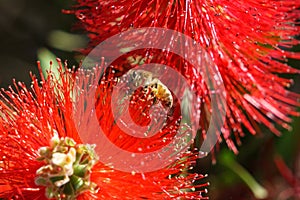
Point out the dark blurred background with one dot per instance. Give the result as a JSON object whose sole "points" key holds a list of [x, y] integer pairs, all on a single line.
{"points": [[32, 30], [28, 29]]}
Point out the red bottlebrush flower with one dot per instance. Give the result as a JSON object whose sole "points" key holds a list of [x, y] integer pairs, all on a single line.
{"points": [[247, 40], [42, 155]]}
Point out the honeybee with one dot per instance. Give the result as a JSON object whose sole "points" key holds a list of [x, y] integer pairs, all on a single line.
{"points": [[160, 92], [153, 85]]}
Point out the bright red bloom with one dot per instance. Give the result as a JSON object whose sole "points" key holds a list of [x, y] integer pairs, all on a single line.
{"points": [[31, 116], [246, 39]]}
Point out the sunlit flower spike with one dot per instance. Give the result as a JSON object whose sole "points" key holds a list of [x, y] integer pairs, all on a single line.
{"points": [[43, 157], [249, 41]]}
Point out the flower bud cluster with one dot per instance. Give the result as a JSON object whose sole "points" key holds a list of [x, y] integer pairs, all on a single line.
{"points": [[67, 168]]}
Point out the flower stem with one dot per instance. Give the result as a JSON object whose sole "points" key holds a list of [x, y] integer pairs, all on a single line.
{"points": [[258, 190]]}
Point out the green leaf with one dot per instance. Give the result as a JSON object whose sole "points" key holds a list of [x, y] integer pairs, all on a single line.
{"points": [[46, 57], [66, 41]]}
